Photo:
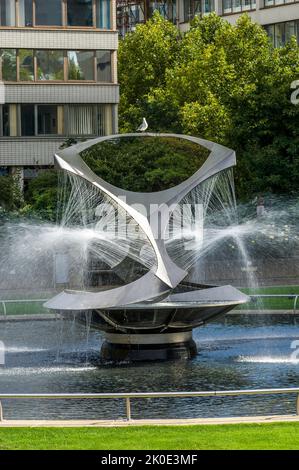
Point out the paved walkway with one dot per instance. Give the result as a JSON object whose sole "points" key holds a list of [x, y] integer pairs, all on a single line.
{"points": [[148, 422]]}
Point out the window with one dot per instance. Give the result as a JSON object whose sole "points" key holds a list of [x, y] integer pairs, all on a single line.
{"points": [[5, 124], [25, 13], [79, 13], [191, 9], [47, 119], [80, 65], [290, 30], [27, 120], [280, 33], [103, 14], [8, 64], [81, 120], [19, 65], [48, 12], [31, 120], [103, 66], [208, 6], [236, 6], [26, 65], [50, 65], [269, 3], [7, 13]]}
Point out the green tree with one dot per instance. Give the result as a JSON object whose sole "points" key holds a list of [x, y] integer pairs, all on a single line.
{"points": [[42, 195], [10, 193], [223, 82], [145, 164], [144, 56]]}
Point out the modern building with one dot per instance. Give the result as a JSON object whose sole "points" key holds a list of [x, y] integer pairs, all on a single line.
{"points": [[58, 63], [279, 17]]}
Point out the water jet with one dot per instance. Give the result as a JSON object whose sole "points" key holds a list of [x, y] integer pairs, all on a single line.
{"points": [[151, 317]]}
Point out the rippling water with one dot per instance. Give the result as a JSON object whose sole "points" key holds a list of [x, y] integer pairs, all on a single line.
{"points": [[236, 353]]}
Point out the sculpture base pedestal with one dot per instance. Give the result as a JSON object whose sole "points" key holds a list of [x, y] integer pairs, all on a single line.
{"points": [[148, 347]]}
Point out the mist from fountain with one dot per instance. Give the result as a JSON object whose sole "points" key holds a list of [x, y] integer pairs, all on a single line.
{"points": [[91, 223]]}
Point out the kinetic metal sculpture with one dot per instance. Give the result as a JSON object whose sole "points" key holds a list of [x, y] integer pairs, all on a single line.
{"points": [[168, 308]]}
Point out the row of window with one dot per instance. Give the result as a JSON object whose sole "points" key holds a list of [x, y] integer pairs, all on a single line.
{"points": [[129, 15], [72, 13], [200, 7], [270, 3], [236, 6], [56, 65], [194, 8], [281, 33], [48, 120]]}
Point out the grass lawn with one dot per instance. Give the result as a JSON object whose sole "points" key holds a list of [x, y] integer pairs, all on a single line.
{"points": [[234, 436], [274, 303]]}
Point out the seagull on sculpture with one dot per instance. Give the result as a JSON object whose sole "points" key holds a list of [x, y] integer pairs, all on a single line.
{"points": [[143, 126]]}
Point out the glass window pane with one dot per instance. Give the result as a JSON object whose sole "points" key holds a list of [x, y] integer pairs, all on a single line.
{"points": [[103, 66], [196, 8], [9, 65], [271, 33], [103, 14], [25, 13], [79, 13], [26, 64], [49, 65], [279, 34], [80, 120], [27, 120], [5, 121], [48, 12], [268, 3], [80, 65], [7, 13], [227, 6], [236, 5], [246, 5], [101, 120], [47, 119], [187, 10], [208, 6], [290, 30]]}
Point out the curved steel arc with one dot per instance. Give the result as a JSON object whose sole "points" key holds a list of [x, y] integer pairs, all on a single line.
{"points": [[166, 275]]}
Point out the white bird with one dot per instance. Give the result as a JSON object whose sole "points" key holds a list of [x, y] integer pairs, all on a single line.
{"points": [[143, 126]]}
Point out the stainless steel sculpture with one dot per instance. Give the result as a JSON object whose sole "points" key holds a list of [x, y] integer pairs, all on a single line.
{"points": [[169, 308]]}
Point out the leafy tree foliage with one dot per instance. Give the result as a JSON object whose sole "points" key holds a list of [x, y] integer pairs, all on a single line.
{"points": [[145, 164], [222, 82], [10, 194], [42, 196]]}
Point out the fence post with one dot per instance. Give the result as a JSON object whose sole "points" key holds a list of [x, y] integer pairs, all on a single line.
{"points": [[295, 304], [1, 412], [297, 404], [4, 308], [128, 409]]}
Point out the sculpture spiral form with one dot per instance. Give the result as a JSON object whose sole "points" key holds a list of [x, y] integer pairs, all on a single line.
{"points": [[168, 308]]}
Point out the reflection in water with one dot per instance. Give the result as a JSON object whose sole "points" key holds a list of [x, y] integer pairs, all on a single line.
{"points": [[45, 356]]}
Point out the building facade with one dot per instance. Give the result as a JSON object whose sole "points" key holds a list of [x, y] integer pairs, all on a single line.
{"points": [[279, 17], [58, 65]]}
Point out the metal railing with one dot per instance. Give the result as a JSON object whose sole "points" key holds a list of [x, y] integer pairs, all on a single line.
{"points": [[129, 396]]}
